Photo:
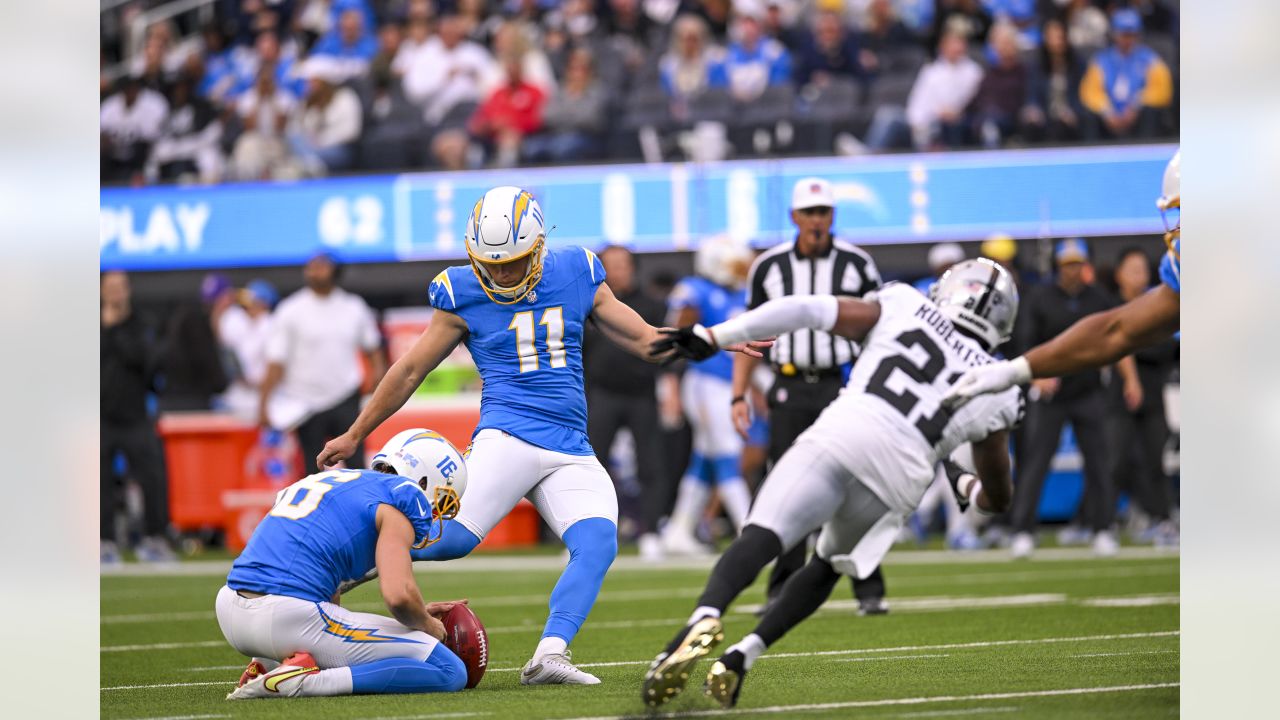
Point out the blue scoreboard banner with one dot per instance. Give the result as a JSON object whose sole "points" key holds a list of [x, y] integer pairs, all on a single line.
{"points": [[652, 208]]}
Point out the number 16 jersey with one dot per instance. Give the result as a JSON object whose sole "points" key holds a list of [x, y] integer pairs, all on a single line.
{"points": [[529, 353], [888, 426]]}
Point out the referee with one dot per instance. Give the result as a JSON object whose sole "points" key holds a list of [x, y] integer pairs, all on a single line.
{"points": [[809, 365]]}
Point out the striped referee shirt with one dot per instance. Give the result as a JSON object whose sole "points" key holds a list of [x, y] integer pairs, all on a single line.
{"points": [[844, 270]]}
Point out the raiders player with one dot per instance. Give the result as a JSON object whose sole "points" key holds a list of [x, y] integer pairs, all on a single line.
{"points": [[855, 485]]}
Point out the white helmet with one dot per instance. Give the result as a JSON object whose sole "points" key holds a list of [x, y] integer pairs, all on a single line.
{"points": [[978, 296], [427, 458], [723, 260], [506, 225], [1170, 200]]}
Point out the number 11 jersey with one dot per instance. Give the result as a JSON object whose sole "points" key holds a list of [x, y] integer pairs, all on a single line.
{"points": [[888, 426], [529, 353]]}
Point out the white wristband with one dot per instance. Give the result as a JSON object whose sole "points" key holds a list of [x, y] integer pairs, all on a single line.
{"points": [[1021, 369]]}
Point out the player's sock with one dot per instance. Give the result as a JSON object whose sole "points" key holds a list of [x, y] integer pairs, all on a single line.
{"points": [[334, 681], [550, 645], [690, 502], [703, 611], [592, 544], [442, 671], [804, 593], [751, 647], [267, 663], [455, 541], [739, 566], [734, 493]]}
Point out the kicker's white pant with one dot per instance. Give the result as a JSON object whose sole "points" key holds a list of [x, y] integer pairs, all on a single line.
{"points": [[277, 626], [809, 489], [706, 400], [564, 488]]}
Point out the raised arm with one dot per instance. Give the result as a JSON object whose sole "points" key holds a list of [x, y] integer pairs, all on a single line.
{"points": [[440, 338]]}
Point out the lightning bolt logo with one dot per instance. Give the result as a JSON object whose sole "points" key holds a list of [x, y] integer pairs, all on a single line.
{"points": [[352, 634]]}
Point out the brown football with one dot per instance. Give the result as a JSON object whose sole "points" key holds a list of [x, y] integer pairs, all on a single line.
{"points": [[464, 634]]}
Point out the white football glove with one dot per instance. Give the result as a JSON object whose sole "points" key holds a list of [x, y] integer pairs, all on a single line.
{"points": [[993, 378]]}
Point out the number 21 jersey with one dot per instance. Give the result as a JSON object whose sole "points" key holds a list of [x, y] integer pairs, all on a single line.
{"points": [[908, 361], [529, 353]]}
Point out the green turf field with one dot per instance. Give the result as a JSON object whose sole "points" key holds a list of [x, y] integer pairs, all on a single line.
{"points": [[1064, 635]]}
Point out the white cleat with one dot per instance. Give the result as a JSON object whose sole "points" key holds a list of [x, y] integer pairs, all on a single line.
{"points": [[1105, 544], [555, 669], [284, 681], [651, 548], [682, 544], [1022, 546]]}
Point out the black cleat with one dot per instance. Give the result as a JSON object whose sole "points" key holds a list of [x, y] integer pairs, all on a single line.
{"points": [[669, 672], [724, 680], [873, 606]]}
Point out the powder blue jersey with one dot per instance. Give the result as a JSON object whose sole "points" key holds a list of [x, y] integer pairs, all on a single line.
{"points": [[321, 532], [1171, 267], [530, 354], [714, 304]]}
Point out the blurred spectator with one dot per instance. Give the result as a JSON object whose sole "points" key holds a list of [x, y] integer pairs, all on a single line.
{"points": [[390, 39], [935, 108], [1126, 86], [191, 361], [1086, 26], [1056, 105], [623, 393], [966, 17], [445, 73], [417, 39], [882, 30], [754, 62], [243, 331], [511, 112], [327, 124], [573, 118], [129, 122], [1079, 399], [189, 147], [715, 13], [517, 38], [831, 51], [627, 19], [313, 373], [219, 78], [1139, 435], [264, 112], [151, 67], [350, 45], [267, 54], [691, 66], [127, 427], [1021, 15], [940, 259], [1001, 102], [781, 22]]}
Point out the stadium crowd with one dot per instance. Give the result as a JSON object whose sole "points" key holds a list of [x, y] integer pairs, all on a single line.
{"points": [[218, 351], [304, 88]]}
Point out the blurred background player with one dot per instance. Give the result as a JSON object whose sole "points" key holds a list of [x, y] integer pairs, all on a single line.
{"points": [[280, 604], [809, 366], [243, 331], [713, 295], [520, 308], [867, 460], [622, 394], [314, 376]]}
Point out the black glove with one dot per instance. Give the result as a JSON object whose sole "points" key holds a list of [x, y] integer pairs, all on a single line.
{"points": [[954, 475], [693, 342]]}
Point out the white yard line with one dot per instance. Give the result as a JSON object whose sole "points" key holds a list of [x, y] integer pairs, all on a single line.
{"points": [[817, 707], [1133, 600], [951, 713], [1135, 652], [163, 646], [891, 657], [515, 563], [168, 685], [184, 717]]}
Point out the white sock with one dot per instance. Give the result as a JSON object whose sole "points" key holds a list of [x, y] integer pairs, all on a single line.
{"points": [[268, 663], [334, 681], [751, 648], [690, 502], [703, 611], [736, 497], [550, 645]]}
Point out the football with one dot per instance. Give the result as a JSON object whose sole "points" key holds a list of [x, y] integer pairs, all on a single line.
{"points": [[464, 634]]}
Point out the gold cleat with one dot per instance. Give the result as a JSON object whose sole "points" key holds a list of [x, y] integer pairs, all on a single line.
{"points": [[722, 685], [669, 672]]}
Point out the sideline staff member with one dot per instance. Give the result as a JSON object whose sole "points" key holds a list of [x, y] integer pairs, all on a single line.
{"points": [[809, 365]]}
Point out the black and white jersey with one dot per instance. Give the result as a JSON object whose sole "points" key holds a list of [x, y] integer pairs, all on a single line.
{"points": [[779, 272], [888, 426]]}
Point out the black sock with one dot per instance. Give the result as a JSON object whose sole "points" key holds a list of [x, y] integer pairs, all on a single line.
{"points": [[804, 593], [739, 566]]}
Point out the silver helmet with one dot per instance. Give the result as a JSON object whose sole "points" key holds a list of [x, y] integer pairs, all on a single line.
{"points": [[978, 296]]}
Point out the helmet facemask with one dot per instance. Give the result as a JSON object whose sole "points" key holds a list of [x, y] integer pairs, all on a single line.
{"points": [[445, 505], [510, 295]]}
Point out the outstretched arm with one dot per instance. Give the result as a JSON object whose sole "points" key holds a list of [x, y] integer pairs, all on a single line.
{"points": [[440, 338], [628, 330], [847, 317], [1095, 340]]}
